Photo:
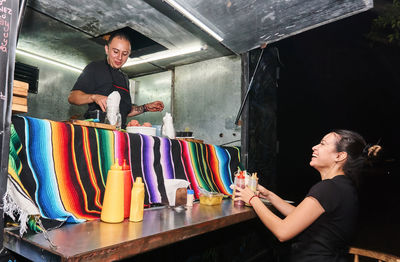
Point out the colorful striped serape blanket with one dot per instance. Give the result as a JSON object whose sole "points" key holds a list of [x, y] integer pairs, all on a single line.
{"points": [[59, 171]]}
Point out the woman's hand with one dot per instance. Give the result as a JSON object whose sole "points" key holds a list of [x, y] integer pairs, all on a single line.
{"points": [[263, 192], [155, 106], [243, 194]]}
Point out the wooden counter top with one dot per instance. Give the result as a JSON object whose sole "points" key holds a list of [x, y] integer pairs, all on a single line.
{"points": [[99, 241]]}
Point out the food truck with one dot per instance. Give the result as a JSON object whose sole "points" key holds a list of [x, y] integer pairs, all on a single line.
{"points": [[200, 58]]}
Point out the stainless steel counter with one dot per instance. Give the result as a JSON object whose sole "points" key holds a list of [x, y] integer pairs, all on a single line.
{"points": [[99, 241]]}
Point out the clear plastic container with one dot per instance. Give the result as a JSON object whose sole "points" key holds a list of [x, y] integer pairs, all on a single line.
{"points": [[211, 198]]}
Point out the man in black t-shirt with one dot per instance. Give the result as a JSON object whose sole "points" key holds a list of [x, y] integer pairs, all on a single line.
{"points": [[100, 79]]}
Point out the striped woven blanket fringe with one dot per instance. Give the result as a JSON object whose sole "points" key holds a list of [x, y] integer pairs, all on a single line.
{"points": [[59, 170]]}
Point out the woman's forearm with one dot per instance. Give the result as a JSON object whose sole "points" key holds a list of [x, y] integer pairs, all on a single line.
{"points": [[294, 223], [281, 205], [269, 219]]}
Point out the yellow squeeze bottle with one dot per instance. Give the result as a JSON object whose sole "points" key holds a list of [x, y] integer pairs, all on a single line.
{"points": [[253, 182], [137, 201], [113, 203]]}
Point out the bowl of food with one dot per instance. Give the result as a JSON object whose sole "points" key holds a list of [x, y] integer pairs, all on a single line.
{"points": [[135, 127], [150, 131], [211, 198]]}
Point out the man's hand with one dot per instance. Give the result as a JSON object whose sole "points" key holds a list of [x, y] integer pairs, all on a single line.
{"points": [[78, 97], [155, 106], [100, 100]]}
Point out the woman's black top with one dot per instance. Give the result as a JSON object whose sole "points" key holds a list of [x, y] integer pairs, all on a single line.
{"points": [[100, 78], [329, 237]]}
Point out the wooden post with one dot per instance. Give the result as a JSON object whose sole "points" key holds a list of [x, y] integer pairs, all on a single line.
{"points": [[244, 151], [8, 39]]}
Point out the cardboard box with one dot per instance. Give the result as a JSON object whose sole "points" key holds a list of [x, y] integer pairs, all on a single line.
{"points": [[20, 94]]}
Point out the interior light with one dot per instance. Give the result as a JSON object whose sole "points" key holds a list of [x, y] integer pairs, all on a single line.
{"points": [[48, 60], [162, 55], [192, 18]]}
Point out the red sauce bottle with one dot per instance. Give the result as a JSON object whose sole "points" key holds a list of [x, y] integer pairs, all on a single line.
{"points": [[240, 182], [127, 188]]}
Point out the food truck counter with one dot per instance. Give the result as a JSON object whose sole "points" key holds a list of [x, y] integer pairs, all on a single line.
{"points": [[58, 172], [99, 241]]}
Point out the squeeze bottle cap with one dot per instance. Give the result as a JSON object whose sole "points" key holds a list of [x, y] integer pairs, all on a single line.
{"points": [[125, 166], [138, 180], [190, 191], [116, 166]]}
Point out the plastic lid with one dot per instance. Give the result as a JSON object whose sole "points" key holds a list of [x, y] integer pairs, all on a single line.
{"points": [[190, 191], [125, 166]]}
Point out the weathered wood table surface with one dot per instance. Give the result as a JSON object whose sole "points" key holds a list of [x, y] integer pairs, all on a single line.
{"points": [[99, 241]]}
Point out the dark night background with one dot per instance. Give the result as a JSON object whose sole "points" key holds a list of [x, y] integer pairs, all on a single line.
{"points": [[331, 77]]}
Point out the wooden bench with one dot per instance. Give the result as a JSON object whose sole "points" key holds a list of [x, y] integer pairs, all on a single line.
{"points": [[379, 256]]}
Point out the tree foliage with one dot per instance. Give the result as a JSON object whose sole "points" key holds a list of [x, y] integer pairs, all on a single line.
{"points": [[386, 27]]}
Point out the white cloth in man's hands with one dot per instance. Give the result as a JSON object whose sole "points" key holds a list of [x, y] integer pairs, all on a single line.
{"points": [[113, 101]]}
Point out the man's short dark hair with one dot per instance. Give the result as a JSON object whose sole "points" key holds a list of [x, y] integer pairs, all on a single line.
{"points": [[119, 34]]}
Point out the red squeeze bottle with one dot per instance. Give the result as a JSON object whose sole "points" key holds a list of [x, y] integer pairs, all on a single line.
{"points": [[240, 182], [127, 188]]}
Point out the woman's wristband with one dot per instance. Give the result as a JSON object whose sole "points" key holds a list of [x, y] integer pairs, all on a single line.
{"points": [[252, 198]]}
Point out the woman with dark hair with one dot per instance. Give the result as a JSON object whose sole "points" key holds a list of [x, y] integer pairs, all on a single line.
{"points": [[324, 222]]}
